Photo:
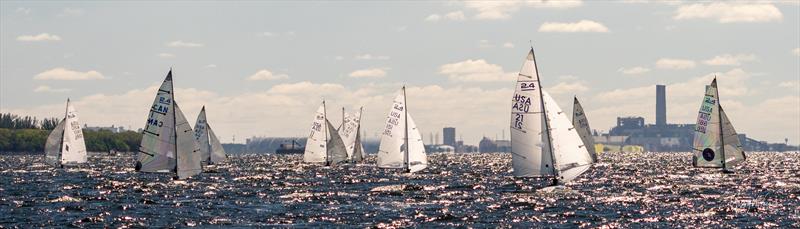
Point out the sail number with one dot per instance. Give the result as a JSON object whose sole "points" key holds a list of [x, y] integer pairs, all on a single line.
{"points": [[704, 116], [521, 103]]}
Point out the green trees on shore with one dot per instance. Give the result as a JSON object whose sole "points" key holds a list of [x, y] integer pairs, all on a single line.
{"points": [[27, 134]]}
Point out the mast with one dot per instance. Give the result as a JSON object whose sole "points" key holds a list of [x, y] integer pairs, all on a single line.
{"points": [[721, 134], [405, 108], [546, 120], [174, 119], [61, 144], [325, 124]]}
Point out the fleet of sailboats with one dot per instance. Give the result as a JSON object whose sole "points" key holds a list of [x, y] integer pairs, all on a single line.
{"points": [[210, 147], [543, 141], [716, 144], [65, 144], [401, 144], [324, 145]]}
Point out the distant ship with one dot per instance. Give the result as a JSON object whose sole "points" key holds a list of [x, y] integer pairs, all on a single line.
{"points": [[293, 148]]}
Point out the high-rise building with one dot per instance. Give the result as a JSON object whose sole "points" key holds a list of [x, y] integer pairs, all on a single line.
{"points": [[449, 134], [661, 105]]}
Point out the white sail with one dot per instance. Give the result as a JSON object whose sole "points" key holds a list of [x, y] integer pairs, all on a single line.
{"points": [[571, 157], [337, 151], [349, 131], [217, 152], [157, 149], [417, 158], [706, 147], [52, 148], [530, 154], [316, 150], [391, 153], [734, 153], [581, 124], [202, 136], [73, 148], [188, 153]]}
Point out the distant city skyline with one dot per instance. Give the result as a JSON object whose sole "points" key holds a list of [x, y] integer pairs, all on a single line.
{"points": [[262, 68]]}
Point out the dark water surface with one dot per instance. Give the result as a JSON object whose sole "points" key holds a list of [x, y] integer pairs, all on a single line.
{"points": [[624, 190]]}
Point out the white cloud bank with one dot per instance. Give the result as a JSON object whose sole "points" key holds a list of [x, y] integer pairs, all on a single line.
{"points": [[371, 57], [45, 88], [368, 73], [475, 71], [582, 26], [265, 74], [730, 60], [634, 70], [452, 16], [184, 44], [39, 37], [66, 74], [670, 63], [500, 10], [729, 12]]}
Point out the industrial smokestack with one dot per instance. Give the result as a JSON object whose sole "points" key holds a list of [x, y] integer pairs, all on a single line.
{"points": [[661, 105]]}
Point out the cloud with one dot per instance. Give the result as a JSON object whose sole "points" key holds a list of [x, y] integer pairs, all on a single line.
{"points": [[71, 12], [576, 27], [338, 58], [266, 34], [485, 44], [166, 55], [500, 10], [45, 88], [265, 74], [211, 66], [725, 12], [508, 45], [39, 37], [183, 44], [401, 28], [794, 85], [669, 63], [475, 71], [23, 10], [796, 51], [452, 16], [634, 70], [368, 73], [730, 60], [66, 74], [370, 57], [567, 88]]}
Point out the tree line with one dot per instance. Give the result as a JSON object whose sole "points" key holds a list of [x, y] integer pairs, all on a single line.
{"points": [[27, 134]]}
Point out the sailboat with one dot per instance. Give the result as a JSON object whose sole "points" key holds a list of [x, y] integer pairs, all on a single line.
{"points": [[324, 145], [581, 124], [716, 144], [350, 131], [168, 144], [210, 147], [65, 144], [401, 144], [543, 141]]}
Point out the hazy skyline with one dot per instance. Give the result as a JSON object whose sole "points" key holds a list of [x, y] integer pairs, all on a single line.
{"points": [[262, 68]]}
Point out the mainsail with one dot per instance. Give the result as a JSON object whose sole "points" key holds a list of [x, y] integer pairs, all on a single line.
{"points": [[65, 144], [337, 151], [316, 150], [581, 124], [530, 152], [543, 140], [168, 144], [158, 146], [210, 147], [714, 136], [401, 143]]}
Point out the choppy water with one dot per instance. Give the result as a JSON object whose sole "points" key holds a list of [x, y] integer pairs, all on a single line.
{"points": [[625, 190]]}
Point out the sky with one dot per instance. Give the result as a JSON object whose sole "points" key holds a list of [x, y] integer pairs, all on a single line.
{"points": [[263, 68]]}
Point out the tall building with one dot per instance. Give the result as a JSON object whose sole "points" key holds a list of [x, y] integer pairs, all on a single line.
{"points": [[661, 105], [449, 134]]}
